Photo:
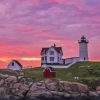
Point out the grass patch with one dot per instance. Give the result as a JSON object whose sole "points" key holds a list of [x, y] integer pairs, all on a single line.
{"points": [[78, 71]]}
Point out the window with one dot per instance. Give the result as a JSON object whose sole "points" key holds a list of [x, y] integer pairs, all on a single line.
{"points": [[46, 58], [51, 52], [51, 58], [58, 59], [13, 64], [42, 58], [43, 52]]}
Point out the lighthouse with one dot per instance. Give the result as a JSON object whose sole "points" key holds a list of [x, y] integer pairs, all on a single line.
{"points": [[83, 49]]}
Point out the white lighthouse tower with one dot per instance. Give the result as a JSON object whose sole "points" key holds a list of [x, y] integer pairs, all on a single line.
{"points": [[83, 49]]}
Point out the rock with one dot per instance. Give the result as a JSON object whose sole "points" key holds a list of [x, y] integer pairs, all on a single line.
{"points": [[2, 82], [75, 95], [39, 84], [67, 95], [20, 89], [98, 88], [36, 86], [98, 92], [23, 80], [67, 86], [24, 88], [4, 76], [57, 93], [52, 86], [20, 77], [11, 79], [36, 90], [93, 94], [78, 87], [83, 95], [17, 85], [13, 91], [3, 93], [37, 93], [46, 95], [60, 94]]}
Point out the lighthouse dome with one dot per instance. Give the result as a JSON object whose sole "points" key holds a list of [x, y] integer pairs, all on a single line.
{"points": [[83, 40]]}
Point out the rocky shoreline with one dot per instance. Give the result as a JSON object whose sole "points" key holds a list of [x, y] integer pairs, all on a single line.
{"points": [[21, 88]]}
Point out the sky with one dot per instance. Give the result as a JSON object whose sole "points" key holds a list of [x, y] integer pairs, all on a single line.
{"points": [[28, 25]]}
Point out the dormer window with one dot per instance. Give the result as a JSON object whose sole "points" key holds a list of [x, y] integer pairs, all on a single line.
{"points": [[43, 52], [51, 52]]}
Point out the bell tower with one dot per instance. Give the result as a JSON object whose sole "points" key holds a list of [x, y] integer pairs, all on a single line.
{"points": [[83, 49]]}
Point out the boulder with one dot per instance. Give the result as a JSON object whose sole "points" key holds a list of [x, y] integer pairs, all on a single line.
{"points": [[17, 85], [11, 79], [55, 85], [37, 93], [98, 88], [78, 87], [93, 94], [75, 95], [2, 82], [46, 95], [24, 88], [67, 86], [4, 76], [83, 95], [21, 88], [57, 93], [3, 92], [20, 77], [98, 92], [37, 89], [52, 86], [67, 95], [36, 86], [63, 86]]}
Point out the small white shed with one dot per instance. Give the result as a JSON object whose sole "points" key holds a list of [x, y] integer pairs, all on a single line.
{"points": [[15, 65]]}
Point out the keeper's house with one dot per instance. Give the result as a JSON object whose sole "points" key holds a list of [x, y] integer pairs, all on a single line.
{"points": [[51, 56]]}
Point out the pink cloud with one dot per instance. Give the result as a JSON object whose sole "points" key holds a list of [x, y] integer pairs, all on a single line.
{"points": [[28, 25]]}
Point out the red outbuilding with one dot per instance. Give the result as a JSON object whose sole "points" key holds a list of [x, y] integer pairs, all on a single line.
{"points": [[49, 72]]}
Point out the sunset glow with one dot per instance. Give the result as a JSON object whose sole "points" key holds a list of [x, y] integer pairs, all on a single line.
{"points": [[33, 59], [28, 25]]}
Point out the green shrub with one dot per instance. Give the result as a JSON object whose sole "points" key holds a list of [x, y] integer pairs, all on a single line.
{"points": [[92, 83]]}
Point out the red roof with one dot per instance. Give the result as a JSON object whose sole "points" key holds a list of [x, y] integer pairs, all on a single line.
{"points": [[16, 62], [50, 68], [49, 72]]}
